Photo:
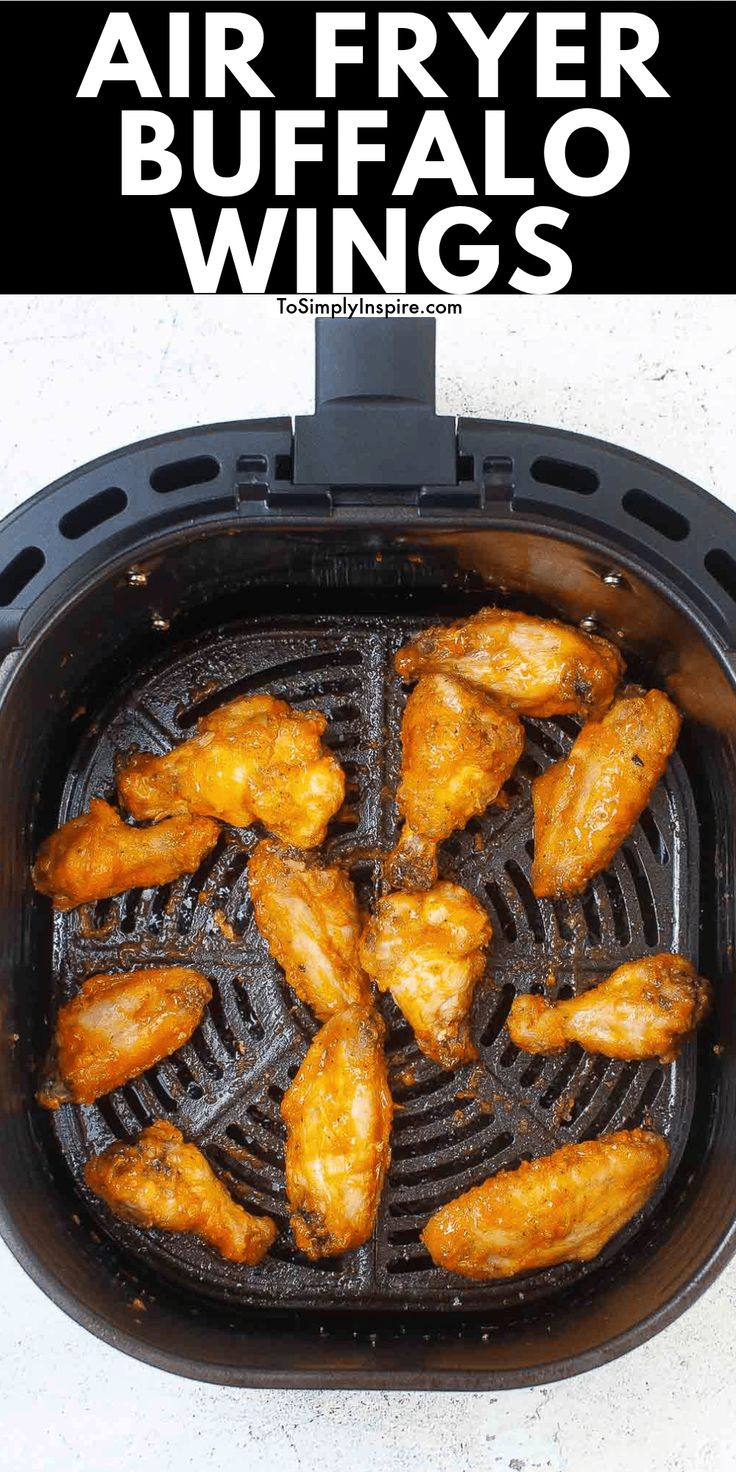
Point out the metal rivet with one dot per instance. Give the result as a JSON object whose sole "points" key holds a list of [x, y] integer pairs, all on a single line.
{"points": [[159, 622], [614, 579], [135, 578], [589, 624]]}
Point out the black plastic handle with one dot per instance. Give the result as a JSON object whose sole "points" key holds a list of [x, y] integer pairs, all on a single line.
{"points": [[375, 424], [376, 360]]}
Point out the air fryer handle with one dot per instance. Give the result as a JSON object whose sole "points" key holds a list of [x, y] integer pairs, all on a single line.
{"points": [[375, 360], [374, 424]]}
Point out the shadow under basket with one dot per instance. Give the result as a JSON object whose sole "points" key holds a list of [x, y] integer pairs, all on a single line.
{"points": [[153, 585]]}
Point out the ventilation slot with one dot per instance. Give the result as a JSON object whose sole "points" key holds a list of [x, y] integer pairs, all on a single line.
{"points": [[545, 741], [408, 1120], [498, 1017], [532, 1072], [602, 1120], [129, 911], [656, 514], [578, 478], [186, 1078], [113, 1121], [432, 1085], [94, 512], [641, 1116], [592, 917], [179, 474], [721, 566], [621, 926], [220, 1022], [18, 574], [528, 899], [503, 911], [166, 1101], [644, 896], [137, 1106], [254, 1148], [251, 1022], [653, 837], [201, 1047], [418, 1149], [409, 1264], [246, 1175], [562, 1078], [561, 912], [265, 679], [591, 1084]]}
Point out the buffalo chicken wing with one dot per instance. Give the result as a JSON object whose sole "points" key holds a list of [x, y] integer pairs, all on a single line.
{"points": [[161, 1181], [98, 855], [459, 747], [537, 666], [559, 1208], [254, 759], [118, 1026], [309, 916], [645, 1009], [338, 1123], [586, 804], [428, 950]]}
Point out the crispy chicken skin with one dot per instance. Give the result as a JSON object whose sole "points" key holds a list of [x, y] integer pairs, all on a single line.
{"points": [[563, 1207], [338, 1121], [585, 805], [163, 1182], [98, 855], [459, 747], [645, 1009], [252, 760], [428, 950], [118, 1026], [537, 666], [309, 916]]}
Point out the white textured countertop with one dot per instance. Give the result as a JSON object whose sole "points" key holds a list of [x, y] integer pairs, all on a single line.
{"points": [[81, 376]]}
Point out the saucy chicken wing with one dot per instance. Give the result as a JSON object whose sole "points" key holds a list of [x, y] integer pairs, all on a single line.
{"points": [[645, 1009], [459, 747], [161, 1181], [98, 855], [118, 1026], [537, 666], [585, 805], [563, 1207], [254, 759], [309, 916], [338, 1124], [428, 950]]}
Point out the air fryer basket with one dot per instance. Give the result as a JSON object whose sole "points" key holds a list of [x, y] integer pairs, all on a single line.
{"points": [[157, 582]]}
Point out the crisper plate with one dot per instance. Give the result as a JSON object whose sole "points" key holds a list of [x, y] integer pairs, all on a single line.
{"points": [[451, 1130]]}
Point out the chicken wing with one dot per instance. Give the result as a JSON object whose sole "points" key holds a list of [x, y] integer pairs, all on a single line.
{"points": [[645, 1009], [459, 747], [537, 666], [338, 1120], [309, 916], [163, 1182], [428, 950], [563, 1207], [254, 759], [585, 805], [118, 1026], [98, 855]]}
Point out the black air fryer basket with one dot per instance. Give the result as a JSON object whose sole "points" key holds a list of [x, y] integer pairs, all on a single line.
{"points": [[144, 589]]}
